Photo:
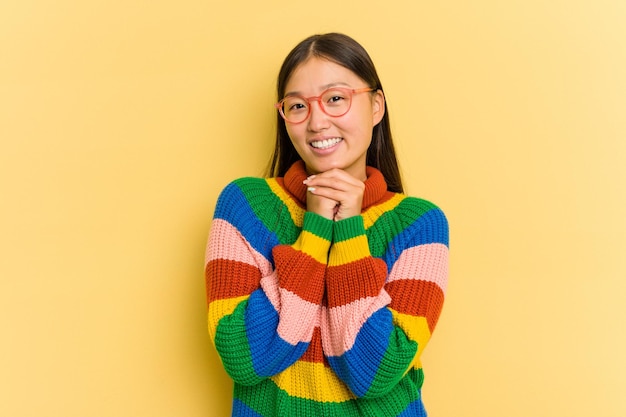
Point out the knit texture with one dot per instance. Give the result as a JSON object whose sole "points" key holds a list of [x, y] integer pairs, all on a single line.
{"points": [[313, 317]]}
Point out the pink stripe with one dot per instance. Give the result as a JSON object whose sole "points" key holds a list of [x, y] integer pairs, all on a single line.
{"points": [[225, 242], [298, 317], [341, 325], [427, 262], [269, 283]]}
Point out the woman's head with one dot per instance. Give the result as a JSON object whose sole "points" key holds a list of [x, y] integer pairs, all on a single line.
{"points": [[339, 53]]}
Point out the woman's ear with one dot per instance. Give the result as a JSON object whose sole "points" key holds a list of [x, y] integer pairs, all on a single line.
{"points": [[378, 107]]}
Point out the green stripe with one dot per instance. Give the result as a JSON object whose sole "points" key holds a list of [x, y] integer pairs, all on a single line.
{"points": [[269, 209], [348, 228], [318, 225], [232, 344], [393, 222], [398, 356], [270, 401]]}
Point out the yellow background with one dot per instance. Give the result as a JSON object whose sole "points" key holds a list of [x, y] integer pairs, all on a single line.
{"points": [[120, 121]]}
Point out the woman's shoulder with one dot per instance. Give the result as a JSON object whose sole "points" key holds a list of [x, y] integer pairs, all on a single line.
{"points": [[244, 182], [416, 213], [248, 186], [247, 193], [416, 205]]}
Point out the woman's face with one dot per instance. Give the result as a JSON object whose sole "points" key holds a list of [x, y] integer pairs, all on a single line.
{"points": [[325, 142]]}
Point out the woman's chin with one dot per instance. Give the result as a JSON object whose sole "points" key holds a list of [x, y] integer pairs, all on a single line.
{"points": [[314, 169]]}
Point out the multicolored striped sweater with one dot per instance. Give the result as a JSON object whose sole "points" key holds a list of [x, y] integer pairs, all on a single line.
{"points": [[313, 317]]}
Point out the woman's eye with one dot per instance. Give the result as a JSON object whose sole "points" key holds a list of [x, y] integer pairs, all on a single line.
{"points": [[335, 100], [297, 106], [294, 104]]}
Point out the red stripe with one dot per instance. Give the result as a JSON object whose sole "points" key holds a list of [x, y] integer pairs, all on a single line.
{"points": [[227, 279], [314, 352], [354, 281], [299, 273], [417, 298]]}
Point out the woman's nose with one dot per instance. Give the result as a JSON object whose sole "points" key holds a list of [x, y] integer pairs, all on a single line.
{"points": [[318, 120]]}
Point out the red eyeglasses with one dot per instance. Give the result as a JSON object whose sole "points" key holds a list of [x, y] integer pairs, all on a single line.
{"points": [[335, 102]]}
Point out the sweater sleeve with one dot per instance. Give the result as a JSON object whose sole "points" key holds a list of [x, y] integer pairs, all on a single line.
{"points": [[262, 316], [382, 311]]}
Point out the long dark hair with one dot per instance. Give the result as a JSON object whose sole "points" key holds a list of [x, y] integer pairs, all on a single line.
{"points": [[348, 53]]}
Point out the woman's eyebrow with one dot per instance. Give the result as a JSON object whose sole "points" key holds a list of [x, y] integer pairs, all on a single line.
{"points": [[323, 88]]}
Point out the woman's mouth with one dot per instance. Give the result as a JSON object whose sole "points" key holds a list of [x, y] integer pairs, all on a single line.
{"points": [[325, 143]]}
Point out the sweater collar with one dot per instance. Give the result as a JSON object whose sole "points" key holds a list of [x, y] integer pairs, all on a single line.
{"points": [[375, 185]]}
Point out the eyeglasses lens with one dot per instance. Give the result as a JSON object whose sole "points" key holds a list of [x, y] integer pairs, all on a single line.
{"points": [[334, 102]]}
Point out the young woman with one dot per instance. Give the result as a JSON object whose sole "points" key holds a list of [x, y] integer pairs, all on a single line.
{"points": [[324, 281]]}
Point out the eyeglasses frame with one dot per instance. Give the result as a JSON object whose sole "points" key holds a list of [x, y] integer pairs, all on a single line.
{"points": [[351, 91]]}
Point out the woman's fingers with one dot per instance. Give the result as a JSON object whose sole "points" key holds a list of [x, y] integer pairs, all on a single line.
{"points": [[335, 179], [340, 187], [321, 205]]}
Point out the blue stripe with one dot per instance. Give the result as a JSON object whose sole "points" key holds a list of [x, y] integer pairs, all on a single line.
{"points": [[358, 366], [270, 353], [233, 207], [240, 409], [414, 409], [431, 227]]}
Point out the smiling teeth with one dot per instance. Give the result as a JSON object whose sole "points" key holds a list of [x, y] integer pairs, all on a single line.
{"points": [[326, 143]]}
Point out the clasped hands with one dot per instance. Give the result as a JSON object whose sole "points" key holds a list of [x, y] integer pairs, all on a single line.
{"points": [[334, 194]]}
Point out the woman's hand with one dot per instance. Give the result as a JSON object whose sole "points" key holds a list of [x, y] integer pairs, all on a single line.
{"points": [[334, 194]]}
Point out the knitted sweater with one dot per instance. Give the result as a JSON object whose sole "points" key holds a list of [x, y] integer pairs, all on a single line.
{"points": [[313, 317]]}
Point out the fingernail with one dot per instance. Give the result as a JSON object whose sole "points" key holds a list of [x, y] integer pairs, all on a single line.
{"points": [[311, 189]]}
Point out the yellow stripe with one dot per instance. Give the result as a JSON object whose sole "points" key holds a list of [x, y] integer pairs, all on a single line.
{"points": [[416, 328], [349, 251], [296, 212], [371, 215], [312, 381], [313, 245], [221, 308]]}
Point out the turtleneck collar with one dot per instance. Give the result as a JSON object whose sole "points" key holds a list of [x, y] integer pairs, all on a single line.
{"points": [[375, 185]]}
